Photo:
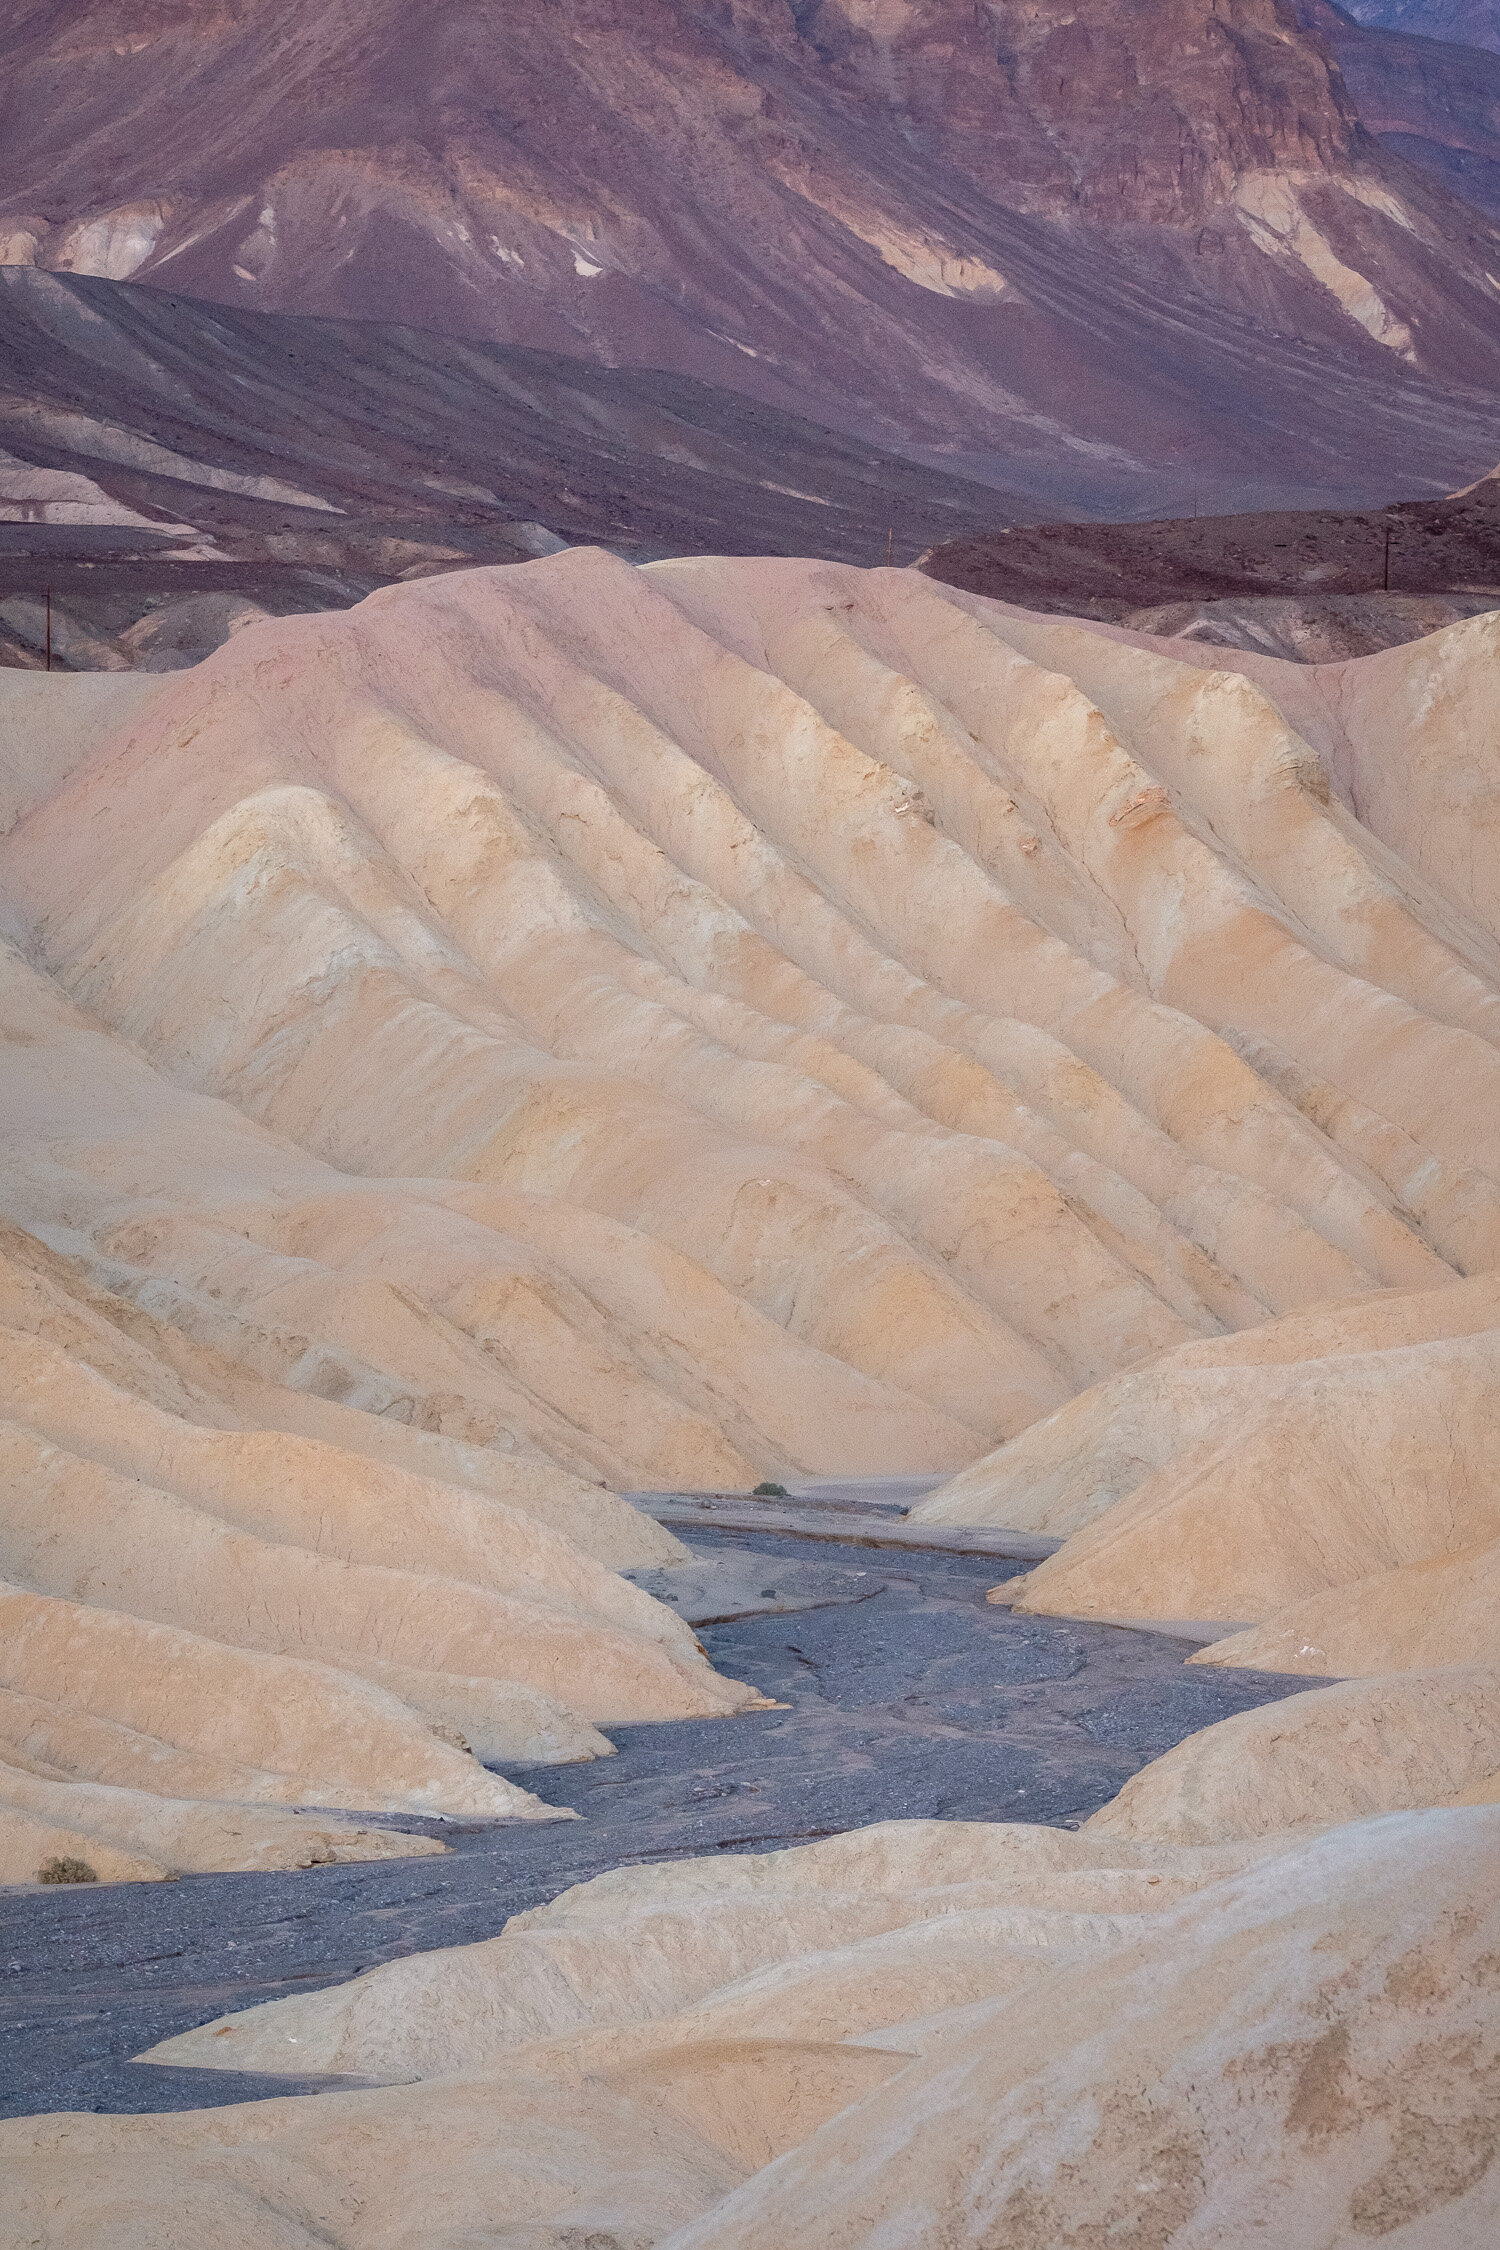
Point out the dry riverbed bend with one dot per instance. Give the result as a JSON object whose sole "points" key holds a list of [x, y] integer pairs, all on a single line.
{"points": [[903, 1696]]}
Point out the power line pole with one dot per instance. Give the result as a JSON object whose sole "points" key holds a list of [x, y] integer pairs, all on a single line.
{"points": [[49, 628]]}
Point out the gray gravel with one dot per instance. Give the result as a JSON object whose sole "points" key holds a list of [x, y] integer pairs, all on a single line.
{"points": [[917, 1701]]}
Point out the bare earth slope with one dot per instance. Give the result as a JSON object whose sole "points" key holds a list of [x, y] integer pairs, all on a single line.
{"points": [[574, 1025], [368, 447], [1428, 96], [927, 2034], [1093, 254], [1311, 584]]}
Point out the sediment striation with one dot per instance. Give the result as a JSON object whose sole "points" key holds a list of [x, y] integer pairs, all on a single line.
{"points": [[572, 1026], [566, 1029]]}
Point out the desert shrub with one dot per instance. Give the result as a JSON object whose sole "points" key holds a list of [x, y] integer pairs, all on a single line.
{"points": [[66, 1870], [769, 1492]]}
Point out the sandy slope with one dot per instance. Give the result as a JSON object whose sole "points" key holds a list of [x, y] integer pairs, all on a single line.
{"points": [[571, 1026], [1325, 1476], [668, 1027], [1337, 1753], [925, 2034]]}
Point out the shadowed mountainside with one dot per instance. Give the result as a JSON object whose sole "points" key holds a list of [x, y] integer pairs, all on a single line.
{"points": [[170, 470], [1091, 257], [1428, 100], [1473, 23]]}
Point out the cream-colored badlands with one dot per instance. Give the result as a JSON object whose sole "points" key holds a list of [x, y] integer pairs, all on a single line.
{"points": [[570, 1029], [925, 2033]]}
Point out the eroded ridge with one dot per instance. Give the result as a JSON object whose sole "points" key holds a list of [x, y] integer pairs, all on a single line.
{"points": [[573, 1026]]}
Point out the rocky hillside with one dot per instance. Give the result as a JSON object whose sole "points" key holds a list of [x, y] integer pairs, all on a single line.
{"points": [[1473, 23], [1089, 254], [1429, 101], [1312, 584]]}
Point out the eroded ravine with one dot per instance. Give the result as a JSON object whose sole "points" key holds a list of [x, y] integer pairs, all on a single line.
{"points": [[914, 1700]]}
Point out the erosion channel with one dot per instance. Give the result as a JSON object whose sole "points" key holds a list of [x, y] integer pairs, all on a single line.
{"points": [[902, 1694]]}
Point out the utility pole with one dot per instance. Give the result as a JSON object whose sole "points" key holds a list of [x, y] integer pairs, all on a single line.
{"points": [[49, 628], [890, 547], [1386, 583]]}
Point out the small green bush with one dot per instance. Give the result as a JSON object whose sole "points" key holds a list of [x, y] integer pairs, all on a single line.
{"points": [[769, 1492], [66, 1870]]}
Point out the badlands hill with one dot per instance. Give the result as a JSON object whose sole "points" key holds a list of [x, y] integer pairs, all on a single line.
{"points": [[1096, 255], [575, 1026], [937, 2035]]}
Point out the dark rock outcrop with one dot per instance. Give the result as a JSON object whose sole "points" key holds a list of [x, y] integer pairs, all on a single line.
{"points": [[1317, 584]]}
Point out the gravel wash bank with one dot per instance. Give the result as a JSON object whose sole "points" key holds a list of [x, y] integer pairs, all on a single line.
{"points": [[908, 1697]]}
